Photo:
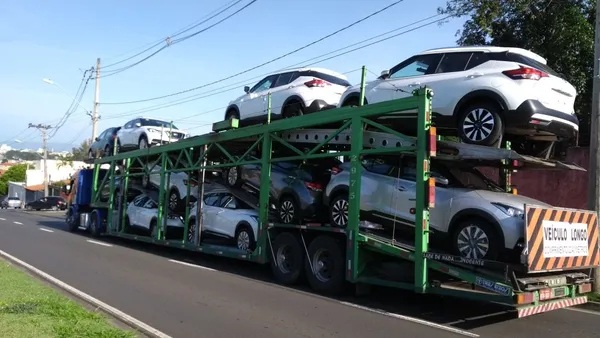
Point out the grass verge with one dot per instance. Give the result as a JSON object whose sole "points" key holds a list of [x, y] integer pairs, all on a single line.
{"points": [[593, 296], [29, 308]]}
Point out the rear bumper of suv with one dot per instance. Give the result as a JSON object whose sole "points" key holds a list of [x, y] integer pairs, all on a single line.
{"points": [[318, 105], [532, 114]]}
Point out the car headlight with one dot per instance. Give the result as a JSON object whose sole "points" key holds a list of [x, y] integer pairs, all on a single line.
{"points": [[510, 211], [152, 130]]}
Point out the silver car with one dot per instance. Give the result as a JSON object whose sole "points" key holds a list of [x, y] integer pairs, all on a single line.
{"points": [[11, 202], [474, 216]]}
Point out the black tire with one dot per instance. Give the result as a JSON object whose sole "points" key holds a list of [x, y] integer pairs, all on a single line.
{"points": [[244, 238], [292, 110], [288, 264], [94, 227], [146, 181], [326, 256], [107, 151], [480, 123], [143, 140], [191, 233], [233, 180], [351, 102], [338, 210], [289, 211], [72, 222], [91, 154], [174, 200], [490, 239], [153, 228], [232, 114], [118, 146]]}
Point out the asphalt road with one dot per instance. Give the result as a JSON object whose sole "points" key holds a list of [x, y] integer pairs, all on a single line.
{"points": [[186, 295]]}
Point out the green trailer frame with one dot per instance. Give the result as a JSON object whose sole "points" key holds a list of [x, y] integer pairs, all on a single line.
{"points": [[225, 148]]}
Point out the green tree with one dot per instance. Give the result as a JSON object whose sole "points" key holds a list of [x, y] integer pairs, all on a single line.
{"points": [[80, 153], [16, 173], [562, 31]]}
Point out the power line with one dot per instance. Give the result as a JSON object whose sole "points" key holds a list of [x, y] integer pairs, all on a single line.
{"points": [[171, 42], [75, 104], [264, 63], [162, 40], [227, 89]]}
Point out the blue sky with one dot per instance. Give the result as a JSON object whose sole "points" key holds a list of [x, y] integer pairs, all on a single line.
{"points": [[57, 39]]}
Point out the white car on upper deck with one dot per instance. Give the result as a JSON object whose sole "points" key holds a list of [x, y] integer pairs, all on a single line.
{"points": [[482, 92], [143, 132], [294, 92]]}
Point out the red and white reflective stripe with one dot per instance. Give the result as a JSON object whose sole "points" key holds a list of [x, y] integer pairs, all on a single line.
{"points": [[551, 306]]}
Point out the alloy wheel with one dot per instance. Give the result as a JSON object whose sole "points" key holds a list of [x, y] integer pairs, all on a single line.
{"points": [[473, 242], [478, 124], [287, 212], [339, 212]]}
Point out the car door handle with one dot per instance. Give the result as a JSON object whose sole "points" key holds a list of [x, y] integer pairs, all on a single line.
{"points": [[414, 84], [474, 75], [412, 199], [401, 188]]}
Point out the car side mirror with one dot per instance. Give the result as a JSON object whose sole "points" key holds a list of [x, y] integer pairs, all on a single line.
{"points": [[97, 139], [138, 124], [384, 74], [247, 89]]}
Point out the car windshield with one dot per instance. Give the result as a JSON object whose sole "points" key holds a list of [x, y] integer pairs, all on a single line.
{"points": [[157, 123], [472, 178], [13, 198]]}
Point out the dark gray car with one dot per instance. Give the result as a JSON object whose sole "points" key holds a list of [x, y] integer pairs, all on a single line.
{"points": [[103, 144], [296, 189]]}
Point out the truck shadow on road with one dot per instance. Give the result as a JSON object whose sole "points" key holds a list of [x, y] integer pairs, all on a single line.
{"points": [[454, 312]]}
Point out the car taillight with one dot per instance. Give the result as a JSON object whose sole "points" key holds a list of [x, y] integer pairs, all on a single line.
{"points": [[525, 73], [335, 170], [314, 186], [317, 83], [192, 182]]}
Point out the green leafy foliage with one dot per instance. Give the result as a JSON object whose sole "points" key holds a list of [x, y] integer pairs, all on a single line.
{"points": [[562, 31], [16, 173]]}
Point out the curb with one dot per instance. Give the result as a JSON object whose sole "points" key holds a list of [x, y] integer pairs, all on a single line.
{"points": [[115, 313], [590, 305]]}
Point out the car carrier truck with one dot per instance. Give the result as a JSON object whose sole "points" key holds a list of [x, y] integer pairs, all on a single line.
{"points": [[331, 257]]}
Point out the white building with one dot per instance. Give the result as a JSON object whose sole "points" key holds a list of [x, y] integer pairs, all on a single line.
{"points": [[58, 170]]}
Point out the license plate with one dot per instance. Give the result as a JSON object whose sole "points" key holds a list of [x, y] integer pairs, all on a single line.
{"points": [[560, 292]]}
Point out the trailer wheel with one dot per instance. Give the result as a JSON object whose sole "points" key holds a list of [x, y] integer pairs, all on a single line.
{"points": [[287, 265], [94, 228], [325, 265]]}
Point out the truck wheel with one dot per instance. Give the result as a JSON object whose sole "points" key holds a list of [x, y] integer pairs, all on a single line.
{"points": [[287, 264], [94, 226], [326, 258], [71, 221]]}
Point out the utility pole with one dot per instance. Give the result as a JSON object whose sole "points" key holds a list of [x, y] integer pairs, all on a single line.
{"points": [[95, 116], [43, 128], [593, 177]]}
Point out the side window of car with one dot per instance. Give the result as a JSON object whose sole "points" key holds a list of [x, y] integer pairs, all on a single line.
{"points": [[453, 62], [149, 204], [128, 125], [224, 198], [140, 201], [232, 204], [416, 66], [283, 79], [210, 199], [477, 59], [264, 84]]}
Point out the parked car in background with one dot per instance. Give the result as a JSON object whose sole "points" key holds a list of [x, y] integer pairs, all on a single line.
{"points": [[293, 92], [47, 203], [145, 132], [104, 144], [11, 202], [473, 215], [228, 217], [481, 93], [296, 189]]}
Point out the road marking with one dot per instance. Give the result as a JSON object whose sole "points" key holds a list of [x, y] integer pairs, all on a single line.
{"points": [[192, 265], [589, 312], [46, 230], [413, 320], [99, 304], [18, 222], [2, 219], [97, 242]]}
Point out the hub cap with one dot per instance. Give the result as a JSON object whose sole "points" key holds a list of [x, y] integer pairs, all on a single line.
{"points": [[473, 242], [145, 180], [286, 213], [143, 144], [339, 212], [478, 125], [285, 261], [322, 265], [192, 232], [243, 240], [173, 201], [232, 175]]}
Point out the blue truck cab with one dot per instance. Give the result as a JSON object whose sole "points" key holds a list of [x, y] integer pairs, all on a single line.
{"points": [[79, 194]]}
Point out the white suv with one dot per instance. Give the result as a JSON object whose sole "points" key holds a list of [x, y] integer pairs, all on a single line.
{"points": [[144, 132], [482, 93], [294, 92]]}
